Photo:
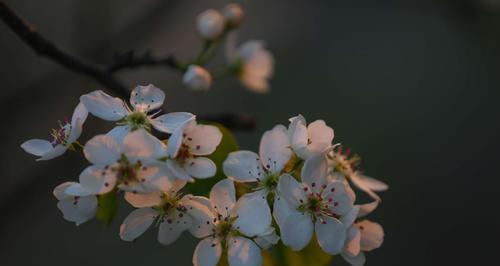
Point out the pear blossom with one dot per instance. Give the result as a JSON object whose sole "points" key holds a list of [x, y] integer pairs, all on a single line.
{"points": [[210, 24], [234, 15], [187, 146], [197, 78], [264, 168], [76, 204], [362, 236], [308, 140], [254, 64], [344, 167], [226, 224], [62, 138], [129, 165], [167, 209], [317, 204], [143, 100]]}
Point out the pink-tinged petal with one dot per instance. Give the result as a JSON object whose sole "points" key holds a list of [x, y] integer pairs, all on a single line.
{"points": [[97, 180], [139, 200], [102, 150], [358, 260], [367, 208], [168, 123], [172, 227], [297, 230], [178, 171], [207, 252], [353, 247], [243, 252], [254, 216], [372, 183], [372, 235], [356, 181], [243, 166], [141, 145], [104, 106], [202, 139], [319, 132], [146, 98], [136, 223], [199, 209], [275, 150], [314, 172], [200, 167], [331, 234], [223, 197], [291, 191]]}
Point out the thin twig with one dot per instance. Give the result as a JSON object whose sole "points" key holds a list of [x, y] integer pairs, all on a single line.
{"points": [[132, 59]]}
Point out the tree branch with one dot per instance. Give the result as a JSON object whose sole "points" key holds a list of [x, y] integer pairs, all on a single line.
{"points": [[132, 59]]}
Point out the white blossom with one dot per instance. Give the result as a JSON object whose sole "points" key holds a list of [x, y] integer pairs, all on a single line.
{"points": [[129, 165], [76, 204], [254, 63], [317, 204], [62, 138], [210, 24], [166, 209], [264, 168], [362, 236], [226, 224], [143, 100], [187, 147], [308, 140], [197, 78], [344, 167]]}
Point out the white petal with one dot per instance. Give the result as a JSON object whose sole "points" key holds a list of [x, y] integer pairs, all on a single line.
{"points": [[140, 144], [207, 252], [340, 200], [102, 150], [275, 151], [243, 166], [97, 180], [349, 218], [200, 167], [178, 171], [172, 227], [243, 252], [297, 132], [331, 234], [367, 208], [175, 142], [372, 183], [202, 139], [76, 189], [202, 215], [222, 196], [136, 223], [297, 230], [146, 98], [104, 106], [320, 133], [37, 147], [59, 191], [314, 172], [56, 152], [168, 123], [358, 260], [372, 235], [254, 216], [281, 210], [78, 209], [139, 200], [118, 133], [356, 181], [267, 239], [353, 247], [291, 190], [79, 116]]}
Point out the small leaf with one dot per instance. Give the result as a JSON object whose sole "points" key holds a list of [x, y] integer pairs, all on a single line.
{"points": [[106, 207], [228, 144], [312, 254]]}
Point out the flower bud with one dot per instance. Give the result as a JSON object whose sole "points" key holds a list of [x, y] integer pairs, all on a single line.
{"points": [[197, 78], [233, 13], [210, 24]]}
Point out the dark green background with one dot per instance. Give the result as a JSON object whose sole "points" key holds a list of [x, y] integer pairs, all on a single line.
{"points": [[410, 85]]}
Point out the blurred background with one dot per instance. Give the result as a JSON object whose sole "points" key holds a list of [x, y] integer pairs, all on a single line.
{"points": [[412, 86]]}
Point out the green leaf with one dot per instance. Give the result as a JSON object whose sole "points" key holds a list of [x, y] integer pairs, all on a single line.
{"points": [[312, 254], [106, 207], [228, 144]]}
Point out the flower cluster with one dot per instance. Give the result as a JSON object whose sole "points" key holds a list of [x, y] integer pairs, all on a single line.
{"points": [[296, 186]]}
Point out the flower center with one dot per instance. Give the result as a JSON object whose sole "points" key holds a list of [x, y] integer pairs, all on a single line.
{"points": [[318, 206], [270, 182], [127, 172], [343, 164], [169, 206], [137, 120], [60, 135]]}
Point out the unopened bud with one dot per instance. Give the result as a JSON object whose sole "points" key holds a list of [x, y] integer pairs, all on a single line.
{"points": [[233, 13], [197, 78], [210, 24]]}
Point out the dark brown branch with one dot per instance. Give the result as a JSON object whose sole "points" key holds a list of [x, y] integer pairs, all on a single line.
{"points": [[132, 59], [45, 48]]}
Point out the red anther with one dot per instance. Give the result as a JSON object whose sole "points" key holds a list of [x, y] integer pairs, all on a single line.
{"points": [[347, 152]]}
